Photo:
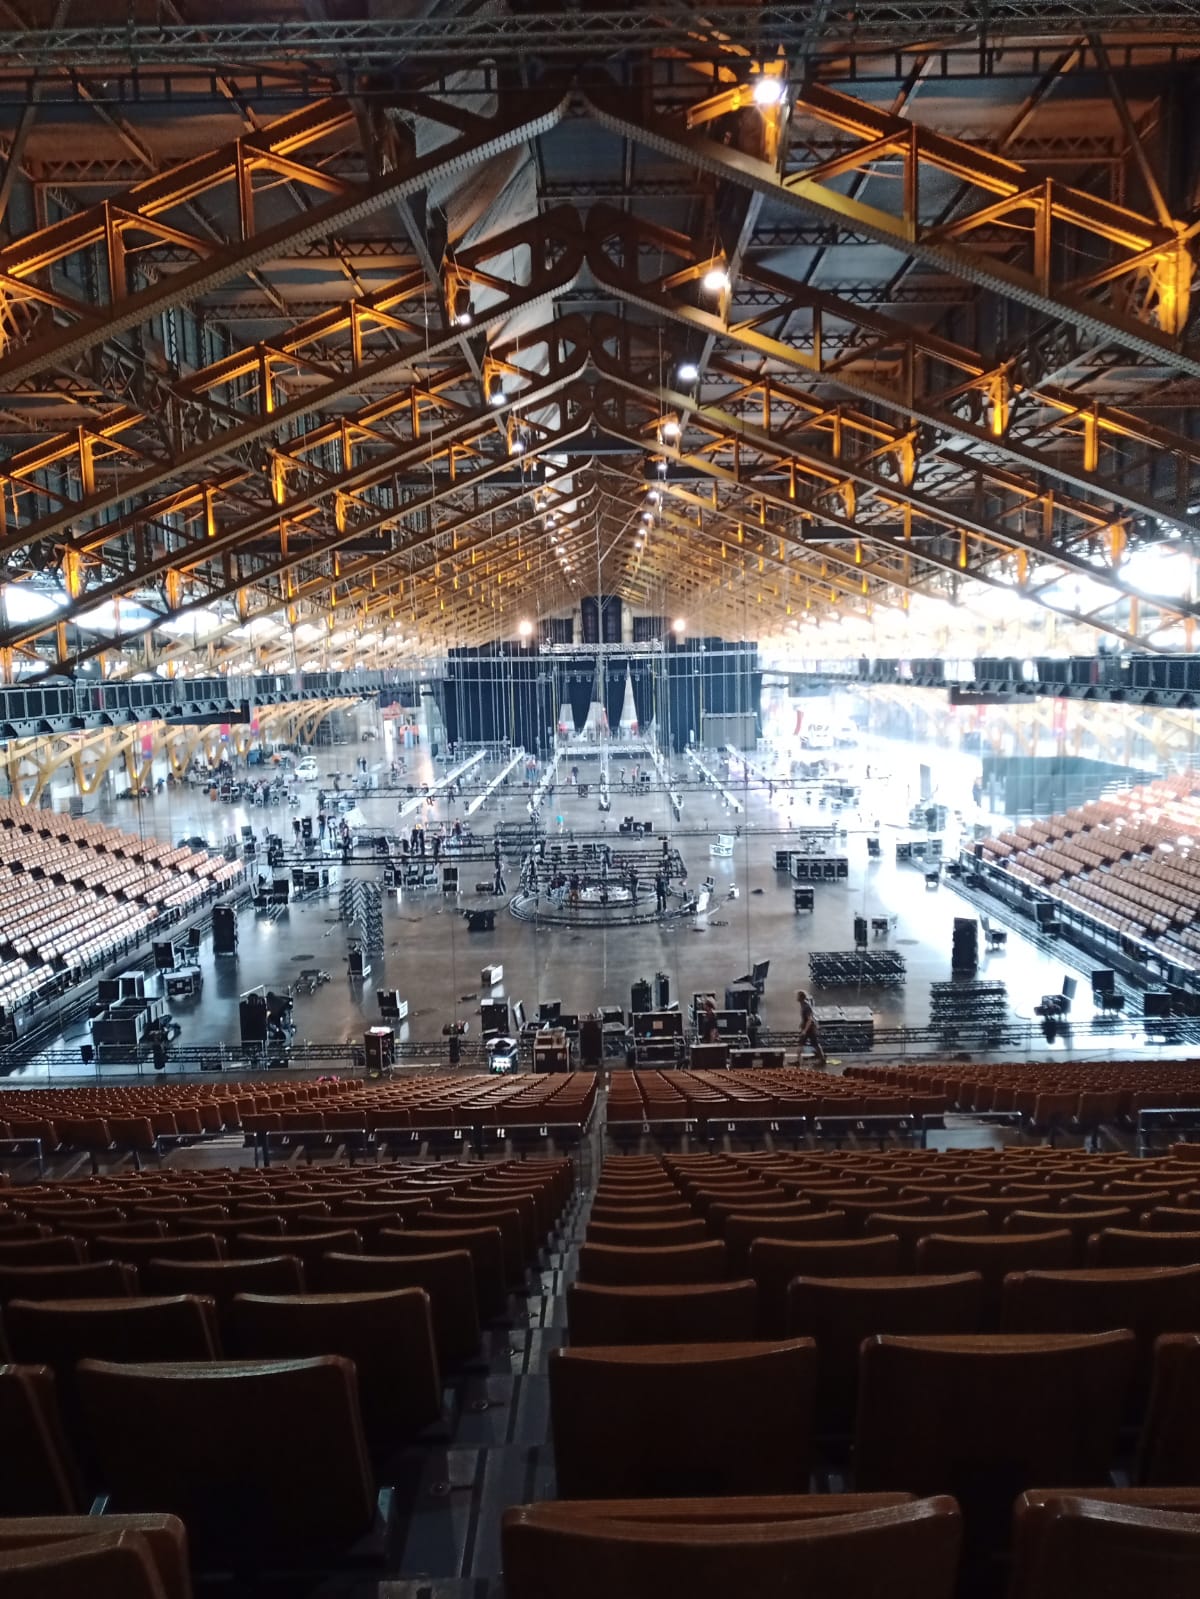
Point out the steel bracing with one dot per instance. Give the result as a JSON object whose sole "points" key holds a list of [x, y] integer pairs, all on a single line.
{"points": [[405, 329]]}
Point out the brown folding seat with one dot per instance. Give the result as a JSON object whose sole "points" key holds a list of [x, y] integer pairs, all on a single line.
{"points": [[838, 1313], [38, 1476], [483, 1244], [856, 1211], [265, 1226], [708, 1549], [1170, 1219], [652, 1419], [988, 1416], [775, 1262], [57, 1251], [993, 1255], [221, 1279], [1149, 1300], [294, 1487], [393, 1210], [773, 1205], [1083, 1544], [448, 1279], [506, 1222], [498, 1213], [388, 1336], [685, 1263], [140, 1227], [740, 1231], [1169, 1451], [1081, 1224], [60, 1332], [675, 1313], [105, 1279], [308, 1248], [15, 1231], [910, 1229], [163, 1538], [1128, 1246], [285, 1210], [137, 1251], [106, 1565], [630, 1215], [646, 1235]]}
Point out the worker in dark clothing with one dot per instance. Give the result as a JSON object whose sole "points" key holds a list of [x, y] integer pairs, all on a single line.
{"points": [[660, 893], [633, 885], [810, 1032], [710, 1032]]}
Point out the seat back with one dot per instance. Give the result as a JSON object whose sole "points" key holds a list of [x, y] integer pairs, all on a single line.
{"points": [[107, 1565], [164, 1537], [682, 1263], [907, 1551], [839, 1313], [1075, 1546], [221, 1279], [1130, 1246], [986, 1417], [992, 1255], [646, 1235], [298, 1485], [388, 1336], [673, 1313], [436, 1235], [774, 1263], [682, 1418], [103, 1278], [1169, 1451], [38, 1476], [448, 1279]]}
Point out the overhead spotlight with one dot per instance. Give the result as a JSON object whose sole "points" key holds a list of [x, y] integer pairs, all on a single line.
{"points": [[464, 310], [670, 430], [716, 279], [654, 496], [647, 516], [688, 372], [495, 391], [768, 90], [525, 627], [678, 626]]}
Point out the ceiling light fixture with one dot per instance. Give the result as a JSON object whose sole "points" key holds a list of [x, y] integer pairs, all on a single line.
{"points": [[670, 430], [688, 372], [768, 90], [716, 279]]}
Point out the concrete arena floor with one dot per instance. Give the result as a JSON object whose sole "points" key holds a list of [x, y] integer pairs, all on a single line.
{"points": [[435, 963]]}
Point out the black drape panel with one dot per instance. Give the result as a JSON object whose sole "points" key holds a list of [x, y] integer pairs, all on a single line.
{"points": [[579, 690], [614, 693]]}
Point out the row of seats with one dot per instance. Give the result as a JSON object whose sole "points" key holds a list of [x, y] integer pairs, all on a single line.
{"points": [[1065, 1546], [704, 1095], [1100, 1091], [132, 1117]]}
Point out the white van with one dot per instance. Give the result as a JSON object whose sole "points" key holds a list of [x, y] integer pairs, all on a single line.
{"points": [[816, 736], [308, 771]]}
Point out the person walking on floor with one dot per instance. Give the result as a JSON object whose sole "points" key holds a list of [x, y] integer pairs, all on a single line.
{"points": [[810, 1032]]}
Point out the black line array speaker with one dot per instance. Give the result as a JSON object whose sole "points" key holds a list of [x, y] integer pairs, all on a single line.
{"points": [[662, 990], [964, 948], [252, 1018], [639, 997], [379, 1046], [225, 933]]}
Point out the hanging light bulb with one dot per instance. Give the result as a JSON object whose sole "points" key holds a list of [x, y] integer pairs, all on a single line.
{"points": [[495, 391], [464, 309], [688, 372], [716, 279], [768, 90], [670, 430]]}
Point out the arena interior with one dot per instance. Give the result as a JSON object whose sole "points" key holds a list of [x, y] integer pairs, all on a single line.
{"points": [[599, 800]]}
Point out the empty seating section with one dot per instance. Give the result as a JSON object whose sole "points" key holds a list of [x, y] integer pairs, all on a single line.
{"points": [[134, 1117], [820, 1371], [1129, 864], [1049, 1096], [73, 893], [658, 1096]]}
